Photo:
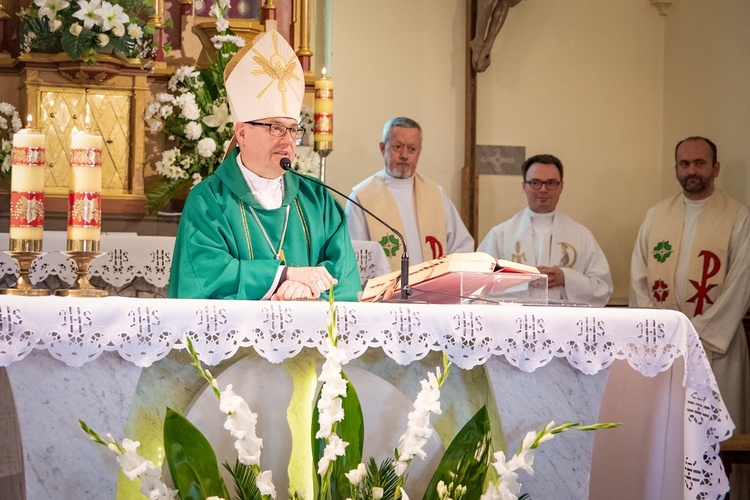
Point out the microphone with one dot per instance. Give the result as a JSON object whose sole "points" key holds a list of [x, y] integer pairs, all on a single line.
{"points": [[286, 164]]}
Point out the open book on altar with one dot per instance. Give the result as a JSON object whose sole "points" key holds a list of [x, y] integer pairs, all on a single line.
{"points": [[459, 277]]}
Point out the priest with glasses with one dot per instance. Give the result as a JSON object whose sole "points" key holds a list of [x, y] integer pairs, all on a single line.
{"points": [[251, 230], [542, 236]]}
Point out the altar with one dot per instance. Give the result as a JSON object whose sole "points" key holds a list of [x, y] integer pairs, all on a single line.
{"points": [[98, 360]]}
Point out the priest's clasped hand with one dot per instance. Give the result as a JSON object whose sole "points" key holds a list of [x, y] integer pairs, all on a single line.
{"points": [[304, 283], [555, 275]]}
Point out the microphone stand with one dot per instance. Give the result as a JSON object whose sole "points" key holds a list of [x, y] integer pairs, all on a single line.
{"points": [[286, 164]]}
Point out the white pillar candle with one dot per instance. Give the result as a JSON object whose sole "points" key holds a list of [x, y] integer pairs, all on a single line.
{"points": [[85, 188], [323, 113], [27, 187]]}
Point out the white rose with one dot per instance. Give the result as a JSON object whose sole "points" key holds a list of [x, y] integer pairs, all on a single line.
{"points": [[102, 39], [55, 24], [118, 31], [75, 29]]}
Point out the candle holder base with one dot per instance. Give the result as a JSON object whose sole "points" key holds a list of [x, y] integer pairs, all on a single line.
{"points": [[23, 285], [82, 287], [323, 153]]}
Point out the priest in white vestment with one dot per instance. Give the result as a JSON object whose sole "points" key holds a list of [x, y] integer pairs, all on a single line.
{"points": [[414, 205], [693, 255], [542, 236]]}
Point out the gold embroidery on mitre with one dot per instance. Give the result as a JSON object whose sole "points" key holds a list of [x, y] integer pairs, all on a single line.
{"points": [[277, 68]]}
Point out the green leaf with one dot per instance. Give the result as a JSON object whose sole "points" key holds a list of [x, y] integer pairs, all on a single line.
{"points": [[467, 458], [192, 462], [163, 191], [351, 430], [244, 481], [75, 46]]}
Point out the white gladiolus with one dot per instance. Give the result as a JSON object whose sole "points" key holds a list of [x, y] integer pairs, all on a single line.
{"points": [[264, 484], [418, 429]]}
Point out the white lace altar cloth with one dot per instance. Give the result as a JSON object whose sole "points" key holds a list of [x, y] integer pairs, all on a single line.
{"points": [[129, 256], [142, 331]]}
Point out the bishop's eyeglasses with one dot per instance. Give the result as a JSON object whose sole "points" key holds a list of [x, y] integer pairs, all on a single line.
{"points": [[277, 130], [536, 184]]}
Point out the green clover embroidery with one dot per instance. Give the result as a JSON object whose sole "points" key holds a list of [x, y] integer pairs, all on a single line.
{"points": [[662, 251], [390, 245]]}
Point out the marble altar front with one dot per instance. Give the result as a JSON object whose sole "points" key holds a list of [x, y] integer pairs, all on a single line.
{"points": [[118, 362]]}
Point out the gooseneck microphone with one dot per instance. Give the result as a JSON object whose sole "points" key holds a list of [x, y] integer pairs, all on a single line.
{"points": [[286, 164]]}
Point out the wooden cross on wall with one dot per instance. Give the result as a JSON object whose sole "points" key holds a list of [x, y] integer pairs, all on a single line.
{"points": [[484, 18]]}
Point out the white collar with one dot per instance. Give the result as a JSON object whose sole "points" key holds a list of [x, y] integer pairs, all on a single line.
{"points": [[268, 192]]}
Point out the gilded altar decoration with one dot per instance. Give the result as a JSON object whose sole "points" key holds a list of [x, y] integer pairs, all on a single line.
{"points": [[84, 29]]}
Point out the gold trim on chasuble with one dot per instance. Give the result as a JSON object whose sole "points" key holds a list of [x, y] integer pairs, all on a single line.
{"points": [[248, 239]]}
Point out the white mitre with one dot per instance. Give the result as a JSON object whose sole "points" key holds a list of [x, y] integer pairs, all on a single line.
{"points": [[265, 80]]}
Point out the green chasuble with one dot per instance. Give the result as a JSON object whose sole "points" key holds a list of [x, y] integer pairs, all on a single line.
{"points": [[221, 253]]}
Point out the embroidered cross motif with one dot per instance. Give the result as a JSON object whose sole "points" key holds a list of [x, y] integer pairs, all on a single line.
{"points": [[661, 290], [662, 251], [390, 245]]}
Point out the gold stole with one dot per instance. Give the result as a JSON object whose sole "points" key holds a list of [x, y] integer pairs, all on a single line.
{"points": [[708, 256], [374, 194]]}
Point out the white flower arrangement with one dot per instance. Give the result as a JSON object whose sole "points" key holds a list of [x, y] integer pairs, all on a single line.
{"points": [[195, 117], [460, 475], [10, 123], [83, 29]]}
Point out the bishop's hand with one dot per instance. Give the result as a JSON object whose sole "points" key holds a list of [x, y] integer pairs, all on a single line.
{"points": [[317, 279]]}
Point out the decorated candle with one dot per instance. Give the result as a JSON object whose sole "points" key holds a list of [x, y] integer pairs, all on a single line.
{"points": [[323, 110], [84, 191], [27, 189]]}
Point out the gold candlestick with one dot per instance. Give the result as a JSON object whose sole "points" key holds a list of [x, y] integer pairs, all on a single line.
{"points": [[82, 286], [24, 258]]}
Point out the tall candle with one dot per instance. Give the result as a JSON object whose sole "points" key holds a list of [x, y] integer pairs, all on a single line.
{"points": [[84, 191], [27, 189], [323, 113]]}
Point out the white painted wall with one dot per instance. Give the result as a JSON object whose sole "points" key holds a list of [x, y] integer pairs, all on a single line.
{"points": [[582, 80]]}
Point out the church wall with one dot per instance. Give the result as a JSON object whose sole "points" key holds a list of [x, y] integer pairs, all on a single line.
{"points": [[707, 79], [582, 80]]}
